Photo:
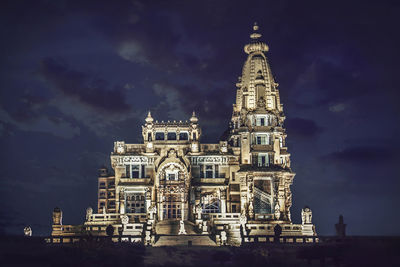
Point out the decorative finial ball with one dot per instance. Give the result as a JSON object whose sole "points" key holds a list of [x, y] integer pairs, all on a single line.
{"points": [[255, 27]]}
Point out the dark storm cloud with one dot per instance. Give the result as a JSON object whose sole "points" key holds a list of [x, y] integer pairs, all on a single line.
{"points": [[93, 92], [362, 155], [209, 104], [29, 106], [302, 127]]}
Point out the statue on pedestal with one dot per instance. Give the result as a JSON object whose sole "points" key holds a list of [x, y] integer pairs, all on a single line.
{"points": [[28, 231], [89, 212], [182, 230], [198, 210], [306, 215], [277, 212], [152, 212]]}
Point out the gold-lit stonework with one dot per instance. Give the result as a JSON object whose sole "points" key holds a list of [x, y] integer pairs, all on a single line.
{"points": [[172, 189]]}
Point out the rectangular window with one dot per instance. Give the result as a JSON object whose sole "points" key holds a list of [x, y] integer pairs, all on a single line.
{"points": [[143, 174], [262, 121], [262, 139], [183, 136], [135, 171], [209, 171], [258, 140], [263, 160], [171, 136], [127, 171], [171, 176], [233, 208], [160, 136]]}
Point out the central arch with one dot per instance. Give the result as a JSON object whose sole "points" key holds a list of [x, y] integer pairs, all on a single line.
{"points": [[173, 187]]}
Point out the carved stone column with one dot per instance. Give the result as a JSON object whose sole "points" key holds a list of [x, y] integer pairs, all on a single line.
{"points": [[223, 200], [148, 198]]}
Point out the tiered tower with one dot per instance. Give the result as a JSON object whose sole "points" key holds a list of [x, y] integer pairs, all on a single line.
{"points": [[257, 129]]}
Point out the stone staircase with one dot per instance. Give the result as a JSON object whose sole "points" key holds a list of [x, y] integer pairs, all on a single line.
{"points": [[167, 235]]}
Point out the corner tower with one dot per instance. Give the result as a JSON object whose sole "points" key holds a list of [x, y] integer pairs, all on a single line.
{"points": [[256, 130]]}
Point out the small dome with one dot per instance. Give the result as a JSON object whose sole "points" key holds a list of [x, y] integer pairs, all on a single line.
{"points": [[194, 119], [149, 118]]}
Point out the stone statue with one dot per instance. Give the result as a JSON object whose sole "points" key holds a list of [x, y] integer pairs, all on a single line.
{"points": [[57, 216], [306, 215], [124, 219], [251, 210], [199, 210], [223, 238], [182, 230], [28, 231], [122, 207], [152, 212], [277, 212], [89, 212]]}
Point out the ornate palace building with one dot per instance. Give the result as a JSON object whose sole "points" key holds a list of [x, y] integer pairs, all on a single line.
{"points": [[172, 189]]}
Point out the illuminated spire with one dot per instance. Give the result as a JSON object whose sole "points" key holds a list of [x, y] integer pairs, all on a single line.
{"points": [[194, 119], [256, 45], [257, 86], [149, 118]]}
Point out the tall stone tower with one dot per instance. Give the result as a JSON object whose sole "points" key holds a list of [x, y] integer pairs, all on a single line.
{"points": [[257, 132]]}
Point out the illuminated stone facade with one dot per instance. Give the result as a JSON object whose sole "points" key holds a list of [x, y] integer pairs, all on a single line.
{"points": [[227, 193]]}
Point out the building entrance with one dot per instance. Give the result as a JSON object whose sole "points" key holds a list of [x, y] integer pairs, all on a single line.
{"points": [[172, 207]]}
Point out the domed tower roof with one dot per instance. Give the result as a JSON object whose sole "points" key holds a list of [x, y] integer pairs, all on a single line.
{"points": [[194, 118], [257, 80], [149, 118]]}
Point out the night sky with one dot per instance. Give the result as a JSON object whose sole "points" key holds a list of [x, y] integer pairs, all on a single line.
{"points": [[78, 75]]}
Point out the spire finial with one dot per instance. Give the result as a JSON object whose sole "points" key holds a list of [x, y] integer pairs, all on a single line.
{"points": [[255, 26], [149, 118], [255, 35], [194, 118]]}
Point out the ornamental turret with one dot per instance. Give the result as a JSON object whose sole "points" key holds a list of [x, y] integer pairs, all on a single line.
{"points": [[257, 82]]}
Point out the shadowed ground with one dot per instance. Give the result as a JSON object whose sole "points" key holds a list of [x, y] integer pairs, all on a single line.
{"points": [[374, 251]]}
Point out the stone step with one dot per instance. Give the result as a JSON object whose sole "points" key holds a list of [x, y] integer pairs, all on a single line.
{"points": [[172, 228], [183, 240]]}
